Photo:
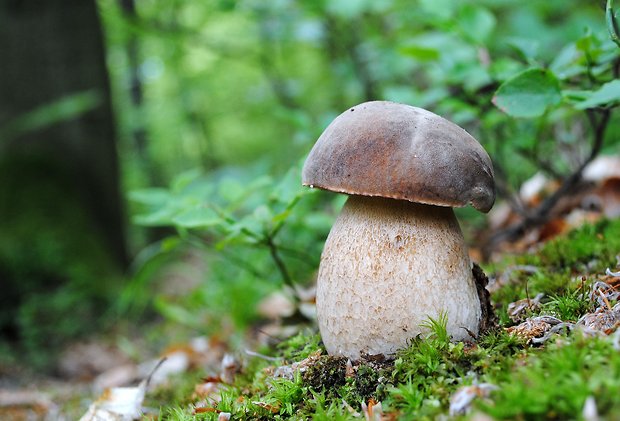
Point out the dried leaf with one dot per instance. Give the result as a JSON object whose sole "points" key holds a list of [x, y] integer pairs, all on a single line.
{"points": [[172, 363], [271, 408], [116, 377], [204, 410], [373, 411], [118, 404], [288, 371], [230, 367], [518, 309], [208, 390], [461, 400], [350, 409], [26, 404], [590, 412], [603, 319], [534, 327], [349, 371]]}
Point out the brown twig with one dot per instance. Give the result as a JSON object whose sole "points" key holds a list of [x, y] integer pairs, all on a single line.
{"points": [[286, 277], [506, 192], [541, 214]]}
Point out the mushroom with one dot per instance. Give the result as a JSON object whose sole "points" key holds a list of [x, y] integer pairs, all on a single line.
{"points": [[396, 256]]}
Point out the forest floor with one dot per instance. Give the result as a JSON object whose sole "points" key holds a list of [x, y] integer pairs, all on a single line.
{"points": [[555, 354]]}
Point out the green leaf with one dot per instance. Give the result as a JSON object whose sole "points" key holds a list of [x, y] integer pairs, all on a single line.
{"points": [[441, 10], [612, 22], [176, 312], [476, 22], [591, 45], [571, 95], [528, 48], [420, 52], [608, 93], [289, 188], [159, 217], [183, 180], [151, 196], [200, 216], [568, 62], [528, 94]]}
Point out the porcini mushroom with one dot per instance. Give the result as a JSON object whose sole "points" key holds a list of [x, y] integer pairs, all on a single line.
{"points": [[396, 255]]}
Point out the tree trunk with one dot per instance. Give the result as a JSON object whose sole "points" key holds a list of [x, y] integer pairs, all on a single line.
{"points": [[62, 224], [50, 50]]}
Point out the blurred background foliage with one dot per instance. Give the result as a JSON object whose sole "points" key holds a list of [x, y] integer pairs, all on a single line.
{"points": [[216, 103]]}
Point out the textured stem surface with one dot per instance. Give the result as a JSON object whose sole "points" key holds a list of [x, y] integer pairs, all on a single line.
{"points": [[387, 266]]}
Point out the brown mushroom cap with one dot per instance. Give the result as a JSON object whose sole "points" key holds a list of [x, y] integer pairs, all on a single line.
{"points": [[397, 151]]}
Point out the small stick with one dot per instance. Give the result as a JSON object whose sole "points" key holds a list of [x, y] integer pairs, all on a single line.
{"points": [[605, 300]]}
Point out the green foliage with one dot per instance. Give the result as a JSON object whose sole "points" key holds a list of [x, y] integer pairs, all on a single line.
{"points": [[528, 94], [608, 94], [324, 411], [256, 233], [227, 82], [284, 395], [287, 69]]}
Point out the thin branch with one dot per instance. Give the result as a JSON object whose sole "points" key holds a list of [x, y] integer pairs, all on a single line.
{"points": [[242, 264], [300, 255], [139, 132], [541, 214], [612, 24], [286, 277], [346, 44], [544, 164], [505, 191], [266, 61], [360, 65]]}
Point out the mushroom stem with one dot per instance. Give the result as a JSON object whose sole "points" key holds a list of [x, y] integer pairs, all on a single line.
{"points": [[387, 266]]}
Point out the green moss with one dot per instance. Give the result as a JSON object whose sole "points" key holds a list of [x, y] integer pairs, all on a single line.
{"points": [[568, 307], [587, 248], [326, 373], [181, 393], [300, 346], [556, 381]]}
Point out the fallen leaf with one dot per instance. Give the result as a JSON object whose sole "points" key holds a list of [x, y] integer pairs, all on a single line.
{"points": [[603, 319], [589, 411], [373, 411], [461, 400], [26, 404], [534, 327], [118, 404], [208, 390], [229, 367], [271, 408], [173, 363], [115, 377], [518, 309]]}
